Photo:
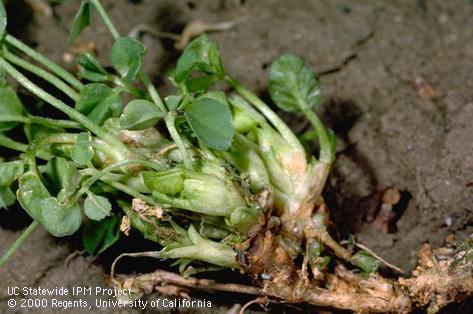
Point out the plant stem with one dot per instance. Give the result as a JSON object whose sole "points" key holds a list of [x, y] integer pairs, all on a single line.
{"points": [[326, 151], [51, 123], [152, 91], [11, 144], [66, 76], [141, 75], [204, 250], [42, 74], [282, 128], [170, 119], [68, 124], [127, 87], [16, 245], [73, 114], [126, 189], [115, 166], [33, 148], [108, 22]]}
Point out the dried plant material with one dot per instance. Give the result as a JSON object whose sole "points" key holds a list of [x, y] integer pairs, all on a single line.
{"points": [[173, 291], [261, 301], [442, 276], [190, 31], [196, 28], [125, 225], [145, 210]]}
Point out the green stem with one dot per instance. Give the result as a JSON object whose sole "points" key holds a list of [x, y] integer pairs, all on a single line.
{"points": [[127, 87], [58, 104], [282, 128], [106, 18], [48, 122], [33, 148], [11, 144], [152, 91], [67, 124], [170, 120], [113, 167], [327, 154], [141, 75], [66, 76], [16, 245], [209, 251], [42, 74], [132, 192]]}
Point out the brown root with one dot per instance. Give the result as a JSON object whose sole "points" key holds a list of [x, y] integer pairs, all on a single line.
{"points": [[443, 276]]}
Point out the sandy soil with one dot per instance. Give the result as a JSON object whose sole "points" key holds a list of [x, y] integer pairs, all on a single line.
{"points": [[396, 79]]}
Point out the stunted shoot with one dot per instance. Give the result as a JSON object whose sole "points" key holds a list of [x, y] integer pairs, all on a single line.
{"points": [[215, 179]]}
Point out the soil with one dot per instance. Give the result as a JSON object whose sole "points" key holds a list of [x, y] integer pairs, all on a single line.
{"points": [[396, 79]]}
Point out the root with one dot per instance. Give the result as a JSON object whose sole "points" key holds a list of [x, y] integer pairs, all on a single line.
{"points": [[147, 283], [190, 31], [259, 300], [442, 276]]}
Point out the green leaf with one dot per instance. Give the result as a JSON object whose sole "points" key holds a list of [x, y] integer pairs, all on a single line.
{"points": [[7, 197], [99, 102], [127, 55], [3, 19], [10, 105], [167, 183], [30, 192], [91, 69], [292, 85], [172, 102], [100, 235], [201, 83], [139, 114], [92, 76], [10, 172], [82, 151], [81, 20], [244, 218], [217, 96], [212, 122], [37, 202], [89, 62], [96, 207], [60, 221], [61, 150], [63, 176], [202, 55], [365, 262]]}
